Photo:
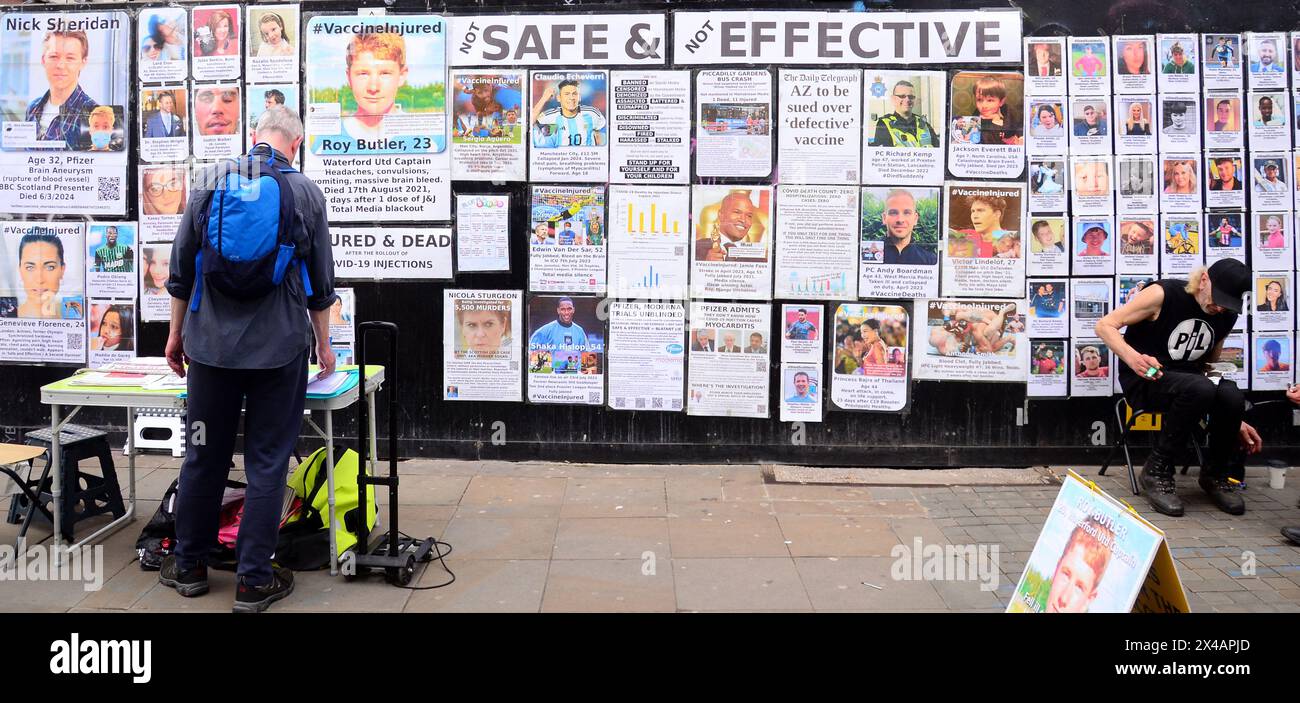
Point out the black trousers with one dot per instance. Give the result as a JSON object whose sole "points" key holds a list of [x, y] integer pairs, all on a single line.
{"points": [[273, 400], [1184, 398]]}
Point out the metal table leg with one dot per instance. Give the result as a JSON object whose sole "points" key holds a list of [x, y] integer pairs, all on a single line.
{"points": [[56, 465], [329, 480]]}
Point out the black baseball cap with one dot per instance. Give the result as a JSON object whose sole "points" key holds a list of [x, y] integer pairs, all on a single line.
{"points": [[1229, 280]]}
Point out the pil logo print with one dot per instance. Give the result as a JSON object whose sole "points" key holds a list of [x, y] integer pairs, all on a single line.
{"points": [[1190, 340]]}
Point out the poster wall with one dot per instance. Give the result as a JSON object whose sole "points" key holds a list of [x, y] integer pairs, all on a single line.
{"points": [[482, 345], [730, 252], [903, 119], [392, 253], [869, 358], [820, 130], [43, 292], [487, 128], [982, 249], [723, 379], [971, 340], [75, 162], [899, 246], [566, 244], [569, 127], [733, 127], [648, 236], [647, 356], [376, 116], [650, 133], [816, 242], [566, 350]]}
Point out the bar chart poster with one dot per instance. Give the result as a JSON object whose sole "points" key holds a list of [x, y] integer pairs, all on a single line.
{"points": [[648, 237], [817, 242]]}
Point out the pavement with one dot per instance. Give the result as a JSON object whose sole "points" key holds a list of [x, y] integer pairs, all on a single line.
{"points": [[548, 537]]}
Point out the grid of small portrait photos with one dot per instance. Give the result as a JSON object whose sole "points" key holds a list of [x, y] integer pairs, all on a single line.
{"points": [[1181, 156]]}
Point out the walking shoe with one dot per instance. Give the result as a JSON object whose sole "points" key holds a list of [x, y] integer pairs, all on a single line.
{"points": [[255, 599], [1224, 494], [188, 582], [1292, 534], [1157, 482]]}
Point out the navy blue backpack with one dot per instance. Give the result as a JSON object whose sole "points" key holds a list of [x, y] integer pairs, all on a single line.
{"points": [[247, 247]]}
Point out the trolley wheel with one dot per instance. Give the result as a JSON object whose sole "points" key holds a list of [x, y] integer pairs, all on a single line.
{"points": [[403, 575]]}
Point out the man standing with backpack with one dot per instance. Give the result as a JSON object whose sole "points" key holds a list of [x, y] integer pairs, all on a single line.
{"points": [[252, 278]]}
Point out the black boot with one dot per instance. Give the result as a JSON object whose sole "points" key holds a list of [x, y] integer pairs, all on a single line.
{"points": [[1157, 482], [1223, 493], [1292, 534]]}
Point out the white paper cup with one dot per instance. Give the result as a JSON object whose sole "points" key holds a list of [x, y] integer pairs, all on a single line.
{"points": [[1277, 477]]}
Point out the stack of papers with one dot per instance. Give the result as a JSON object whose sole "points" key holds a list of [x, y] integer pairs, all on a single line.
{"points": [[327, 385], [113, 378]]}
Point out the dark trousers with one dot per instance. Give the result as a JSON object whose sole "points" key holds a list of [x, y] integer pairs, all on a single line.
{"points": [[1184, 398], [273, 418]]}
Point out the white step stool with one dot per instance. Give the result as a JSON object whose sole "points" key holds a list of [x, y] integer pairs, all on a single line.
{"points": [[168, 420]]}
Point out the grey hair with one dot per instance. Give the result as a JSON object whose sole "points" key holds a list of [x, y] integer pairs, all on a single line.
{"points": [[281, 120]]}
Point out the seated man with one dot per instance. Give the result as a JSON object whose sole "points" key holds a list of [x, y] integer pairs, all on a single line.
{"points": [[1175, 328]]}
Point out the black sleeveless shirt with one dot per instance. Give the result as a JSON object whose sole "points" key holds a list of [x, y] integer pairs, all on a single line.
{"points": [[1181, 337]]}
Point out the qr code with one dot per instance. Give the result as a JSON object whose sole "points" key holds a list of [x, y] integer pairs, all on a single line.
{"points": [[760, 366], [514, 366], [75, 341], [110, 188], [851, 175], [640, 403], [620, 402], [593, 397], [657, 403], [679, 251], [677, 403]]}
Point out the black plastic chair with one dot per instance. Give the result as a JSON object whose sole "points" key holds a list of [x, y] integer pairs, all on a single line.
{"points": [[1122, 442]]}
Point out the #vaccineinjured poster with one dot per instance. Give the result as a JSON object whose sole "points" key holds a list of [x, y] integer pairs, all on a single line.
{"points": [[566, 350], [983, 248], [647, 355], [869, 359], [488, 130], [570, 131], [482, 348], [971, 340], [43, 292], [566, 241], [376, 119], [730, 356]]}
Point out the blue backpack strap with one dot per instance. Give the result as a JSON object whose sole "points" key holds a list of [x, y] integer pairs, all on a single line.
{"points": [[306, 279]]}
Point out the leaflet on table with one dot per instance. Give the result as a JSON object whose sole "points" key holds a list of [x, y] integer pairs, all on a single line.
{"points": [[650, 137], [1049, 312], [819, 136], [1137, 184], [163, 193], [71, 160], [1093, 363], [1047, 184], [164, 120], [1090, 300], [1089, 65], [729, 359], [648, 236], [1093, 245], [647, 356], [392, 253], [112, 250], [1180, 126], [1182, 184], [1177, 61], [1135, 64], [1236, 351], [801, 335], [982, 248], [1183, 244], [1090, 193], [1269, 126], [274, 35], [216, 45], [817, 242], [1047, 246], [489, 129], [1226, 235], [903, 120], [155, 269], [1045, 133], [733, 134], [1273, 302], [971, 339], [383, 156], [482, 345], [801, 392], [1270, 179], [218, 121], [1266, 57], [1044, 67], [112, 331], [1047, 369], [869, 358], [1273, 246], [566, 241], [986, 127], [342, 326], [567, 121], [1221, 54], [1274, 357], [483, 232], [1137, 242], [566, 350], [899, 243], [43, 292], [1224, 120], [1135, 124], [731, 249], [164, 34]]}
